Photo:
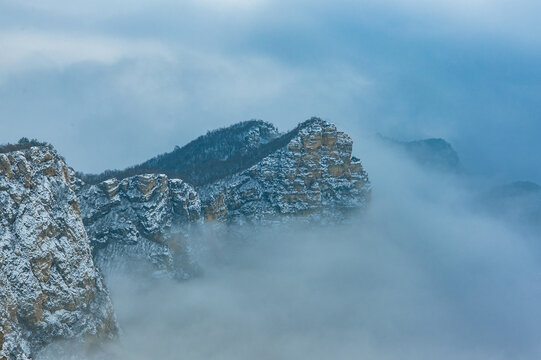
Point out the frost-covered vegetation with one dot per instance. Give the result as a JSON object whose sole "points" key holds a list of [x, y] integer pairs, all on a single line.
{"points": [[23, 144], [216, 155]]}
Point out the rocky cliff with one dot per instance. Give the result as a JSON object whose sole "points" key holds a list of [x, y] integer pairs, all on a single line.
{"points": [[307, 173], [141, 218], [311, 173], [49, 287]]}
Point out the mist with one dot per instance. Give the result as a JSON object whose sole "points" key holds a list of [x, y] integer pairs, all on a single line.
{"points": [[418, 275], [140, 77]]}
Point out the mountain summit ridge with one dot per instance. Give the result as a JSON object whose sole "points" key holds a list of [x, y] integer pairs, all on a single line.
{"points": [[58, 233], [308, 172], [213, 156]]}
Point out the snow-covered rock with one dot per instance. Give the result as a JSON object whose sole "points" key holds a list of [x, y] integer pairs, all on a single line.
{"points": [[312, 175], [308, 172], [141, 218], [54, 227], [49, 287]]}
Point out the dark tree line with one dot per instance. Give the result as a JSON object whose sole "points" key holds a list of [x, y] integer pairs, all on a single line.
{"points": [[23, 144], [216, 155]]}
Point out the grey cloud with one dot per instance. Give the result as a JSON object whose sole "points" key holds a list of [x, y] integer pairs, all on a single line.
{"points": [[417, 276], [451, 69]]}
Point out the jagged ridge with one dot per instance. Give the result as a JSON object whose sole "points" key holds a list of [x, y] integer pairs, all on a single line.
{"points": [[210, 157], [308, 171], [141, 218], [49, 285], [214, 156]]}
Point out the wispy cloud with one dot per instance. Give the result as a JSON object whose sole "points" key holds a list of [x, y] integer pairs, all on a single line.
{"points": [[174, 69], [419, 276], [26, 50]]}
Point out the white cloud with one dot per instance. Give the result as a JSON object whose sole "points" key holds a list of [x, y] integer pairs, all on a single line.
{"points": [[511, 20], [22, 50], [159, 65]]}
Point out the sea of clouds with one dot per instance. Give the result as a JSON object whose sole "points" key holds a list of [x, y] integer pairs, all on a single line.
{"points": [[421, 274]]}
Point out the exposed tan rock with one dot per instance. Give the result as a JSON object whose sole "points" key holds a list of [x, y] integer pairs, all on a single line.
{"points": [[49, 287], [309, 171], [311, 174], [5, 166], [50, 171]]}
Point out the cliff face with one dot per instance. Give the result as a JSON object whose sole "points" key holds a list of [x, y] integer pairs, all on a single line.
{"points": [[49, 287], [308, 172], [313, 173], [141, 218]]}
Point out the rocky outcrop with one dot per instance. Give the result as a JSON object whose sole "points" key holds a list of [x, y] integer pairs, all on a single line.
{"points": [[313, 173], [49, 286], [141, 218], [54, 227], [308, 172]]}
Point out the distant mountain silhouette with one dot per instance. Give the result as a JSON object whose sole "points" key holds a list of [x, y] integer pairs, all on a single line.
{"points": [[435, 153]]}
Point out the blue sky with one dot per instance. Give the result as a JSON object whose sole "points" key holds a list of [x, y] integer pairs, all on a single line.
{"points": [[112, 83]]}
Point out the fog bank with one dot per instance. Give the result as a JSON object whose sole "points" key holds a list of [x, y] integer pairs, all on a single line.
{"points": [[419, 275]]}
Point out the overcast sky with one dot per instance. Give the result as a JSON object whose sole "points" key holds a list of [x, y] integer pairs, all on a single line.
{"points": [[112, 83]]}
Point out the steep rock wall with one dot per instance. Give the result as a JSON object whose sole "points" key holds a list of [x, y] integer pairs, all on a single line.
{"points": [[308, 172], [144, 217], [313, 175], [49, 287]]}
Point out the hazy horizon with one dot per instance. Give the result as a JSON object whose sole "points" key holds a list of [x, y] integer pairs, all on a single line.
{"points": [[420, 274], [111, 84], [308, 254]]}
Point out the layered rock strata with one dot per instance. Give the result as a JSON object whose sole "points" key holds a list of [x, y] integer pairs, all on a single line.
{"points": [[49, 286], [54, 227], [314, 173], [141, 218], [307, 173]]}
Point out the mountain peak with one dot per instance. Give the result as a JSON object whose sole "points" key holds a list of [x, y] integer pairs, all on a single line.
{"points": [[49, 286], [434, 153], [217, 154]]}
